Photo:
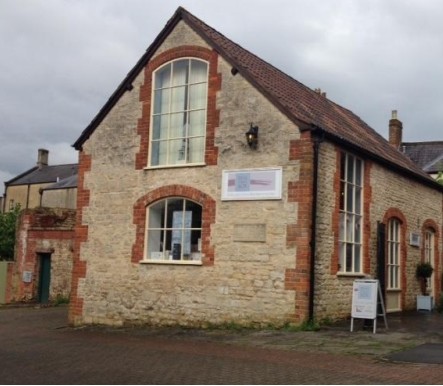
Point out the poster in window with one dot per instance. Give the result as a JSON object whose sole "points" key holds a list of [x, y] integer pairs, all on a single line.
{"points": [[180, 228], [252, 184]]}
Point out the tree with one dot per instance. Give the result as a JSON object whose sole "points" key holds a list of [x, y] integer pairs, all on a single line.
{"points": [[8, 222], [440, 178]]}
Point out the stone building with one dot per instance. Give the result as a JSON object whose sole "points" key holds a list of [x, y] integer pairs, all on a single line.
{"points": [[42, 267], [182, 218], [26, 189]]}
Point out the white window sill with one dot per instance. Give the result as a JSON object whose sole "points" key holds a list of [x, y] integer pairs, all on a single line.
{"points": [[188, 165], [351, 274], [172, 262]]}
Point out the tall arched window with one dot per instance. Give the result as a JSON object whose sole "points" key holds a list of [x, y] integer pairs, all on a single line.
{"points": [[174, 227], [179, 113], [429, 255], [394, 265]]}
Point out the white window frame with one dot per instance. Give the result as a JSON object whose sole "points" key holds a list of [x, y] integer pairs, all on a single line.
{"points": [[351, 215], [394, 255], [429, 255], [164, 255], [187, 110]]}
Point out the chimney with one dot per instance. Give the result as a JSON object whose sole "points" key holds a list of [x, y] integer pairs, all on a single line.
{"points": [[42, 159], [395, 131]]}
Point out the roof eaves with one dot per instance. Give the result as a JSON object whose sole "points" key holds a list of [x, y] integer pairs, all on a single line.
{"points": [[21, 175], [422, 178]]}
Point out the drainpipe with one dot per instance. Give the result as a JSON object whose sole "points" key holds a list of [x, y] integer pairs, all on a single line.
{"points": [[318, 137]]}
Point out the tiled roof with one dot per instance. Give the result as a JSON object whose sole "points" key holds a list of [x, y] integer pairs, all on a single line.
{"points": [[304, 106], [427, 155], [66, 183], [46, 174]]}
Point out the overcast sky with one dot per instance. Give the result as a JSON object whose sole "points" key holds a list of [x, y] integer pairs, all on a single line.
{"points": [[62, 59]]}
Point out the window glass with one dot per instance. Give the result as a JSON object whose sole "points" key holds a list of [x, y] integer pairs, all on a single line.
{"points": [[179, 112], [350, 227], [174, 230]]}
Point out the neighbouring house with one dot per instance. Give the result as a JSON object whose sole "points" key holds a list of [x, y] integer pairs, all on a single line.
{"points": [[42, 267], [26, 188], [427, 155], [182, 218]]}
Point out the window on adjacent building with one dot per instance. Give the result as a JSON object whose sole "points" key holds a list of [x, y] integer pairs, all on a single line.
{"points": [[179, 113], [394, 255], [351, 214], [174, 230]]}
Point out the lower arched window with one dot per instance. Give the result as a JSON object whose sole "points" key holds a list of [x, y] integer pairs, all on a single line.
{"points": [[174, 227]]}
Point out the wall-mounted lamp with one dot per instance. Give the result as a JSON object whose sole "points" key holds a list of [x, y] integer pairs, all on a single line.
{"points": [[252, 137]]}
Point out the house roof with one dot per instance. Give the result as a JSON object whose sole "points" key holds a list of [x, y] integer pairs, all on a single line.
{"points": [[66, 183], [427, 155], [45, 174], [304, 106]]}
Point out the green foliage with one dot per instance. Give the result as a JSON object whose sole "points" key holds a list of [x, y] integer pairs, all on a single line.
{"points": [[424, 270], [60, 299], [440, 177], [8, 222]]}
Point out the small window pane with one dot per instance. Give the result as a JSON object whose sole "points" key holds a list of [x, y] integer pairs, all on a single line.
{"points": [[163, 77], [350, 172], [158, 153], [161, 101], [196, 146], [348, 257], [357, 254], [180, 72], [342, 195], [343, 166], [160, 127], [358, 200], [197, 96], [357, 230], [350, 198], [178, 126], [199, 71], [177, 151], [179, 99], [358, 172], [342, 235], [197, 123]]}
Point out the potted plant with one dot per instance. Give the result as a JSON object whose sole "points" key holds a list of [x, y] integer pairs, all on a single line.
{"points": [[423, 272]]}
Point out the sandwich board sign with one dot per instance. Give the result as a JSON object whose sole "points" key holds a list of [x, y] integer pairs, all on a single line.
{"points": [[366, 294]]}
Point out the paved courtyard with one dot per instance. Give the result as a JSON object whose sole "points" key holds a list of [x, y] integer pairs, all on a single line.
{"points": [[37, 347]]}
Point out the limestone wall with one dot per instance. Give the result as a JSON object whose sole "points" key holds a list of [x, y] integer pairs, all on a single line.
{"points": [[246, 283], [383, 191]]}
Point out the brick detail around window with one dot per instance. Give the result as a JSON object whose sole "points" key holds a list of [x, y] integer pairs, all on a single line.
{"points": [[213, 114], [299, 234], [187, 192], [430, 224], [395, 213], [367, 199], [81, 236]]}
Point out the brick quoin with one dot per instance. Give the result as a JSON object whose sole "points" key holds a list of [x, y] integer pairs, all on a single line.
{"points": [[367, 200], [81, 236], [299, 234], [395, 213], [187, 192], [430, 224], [213, 114]]}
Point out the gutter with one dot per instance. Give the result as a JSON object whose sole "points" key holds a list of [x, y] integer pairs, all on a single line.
{"points": [[318, 136]]}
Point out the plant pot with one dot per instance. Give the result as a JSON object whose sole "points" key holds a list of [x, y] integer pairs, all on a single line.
{"points": [[424, 302]]}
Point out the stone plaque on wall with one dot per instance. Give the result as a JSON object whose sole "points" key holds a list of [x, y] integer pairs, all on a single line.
{"points": [[250, 232]]}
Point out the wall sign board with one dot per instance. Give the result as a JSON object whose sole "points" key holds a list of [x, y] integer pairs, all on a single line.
{"points": [[252, 184]]}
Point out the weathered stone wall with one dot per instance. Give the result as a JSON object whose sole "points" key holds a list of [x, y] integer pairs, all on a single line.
{"points": [[40, 231], [384, 191], [247, 282], [60, 198]]}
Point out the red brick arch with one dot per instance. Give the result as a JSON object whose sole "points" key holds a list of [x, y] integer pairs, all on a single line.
{"points": [[213, 114], [395, 213], [431, 224], [187, 192]]}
